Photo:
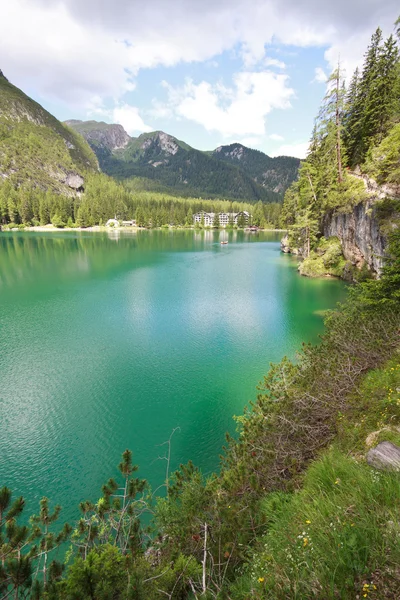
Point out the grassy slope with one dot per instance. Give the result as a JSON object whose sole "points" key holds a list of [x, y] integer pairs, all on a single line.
{"points": [[35, 146], [338, 536]]}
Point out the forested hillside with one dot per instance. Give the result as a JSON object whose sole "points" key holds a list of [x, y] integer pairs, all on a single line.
{"points": [[353, 164], [179, 169], [274, 174], [49, 174]]}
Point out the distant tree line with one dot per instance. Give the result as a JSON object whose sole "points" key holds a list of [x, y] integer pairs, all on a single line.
{"points": [[104, 198]]}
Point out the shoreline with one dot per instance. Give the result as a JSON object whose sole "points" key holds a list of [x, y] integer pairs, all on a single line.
{"points": [[101, 228]]}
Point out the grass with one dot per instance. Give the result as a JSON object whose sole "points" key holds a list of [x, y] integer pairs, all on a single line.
{"points": [[339, 535]]}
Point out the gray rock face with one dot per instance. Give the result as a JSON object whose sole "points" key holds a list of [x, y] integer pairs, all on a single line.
{"points": [[74, 181], [112, 137], [362, 241], [165, 142], [2, 75], [285, 245], [386, 457]]}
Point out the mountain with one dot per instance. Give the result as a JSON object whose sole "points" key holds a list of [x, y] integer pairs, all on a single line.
{"points": [[36, 148], [177, 167], [274, 174], [112, 137]]}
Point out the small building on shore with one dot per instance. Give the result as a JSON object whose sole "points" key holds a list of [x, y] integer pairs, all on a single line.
{"points": [[112, 223]]}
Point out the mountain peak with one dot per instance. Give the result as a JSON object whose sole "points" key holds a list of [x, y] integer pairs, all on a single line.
{"points": [[166, 142], [234, 151], [111, 136]]}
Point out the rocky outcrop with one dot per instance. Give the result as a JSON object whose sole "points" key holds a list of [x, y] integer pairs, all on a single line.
{"points": [[2, 75], [75, 181], [166, 143], [287, 248], [359, 231], [386, 456], [110, 136]]}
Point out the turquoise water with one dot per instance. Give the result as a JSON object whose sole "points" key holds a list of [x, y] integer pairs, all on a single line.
{"points": [[109, 341]]}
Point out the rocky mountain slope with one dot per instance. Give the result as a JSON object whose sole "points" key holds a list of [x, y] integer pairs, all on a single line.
{"points": [[112, 137], [36, 148], [178, 167]]}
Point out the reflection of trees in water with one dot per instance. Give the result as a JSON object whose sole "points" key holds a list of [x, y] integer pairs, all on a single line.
{"points": [[30, 256]]}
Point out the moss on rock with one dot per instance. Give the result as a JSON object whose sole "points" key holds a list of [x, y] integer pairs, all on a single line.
{"points": [[325, 260]]}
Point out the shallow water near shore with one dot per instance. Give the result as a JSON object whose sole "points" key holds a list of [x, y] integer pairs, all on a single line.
{"points": [[112, 340]]}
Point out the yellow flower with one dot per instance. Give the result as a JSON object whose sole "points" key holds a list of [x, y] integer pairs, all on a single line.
{"points": [[365, 595], [305, 542], [261, 580], [308, 522], [337, 481]]}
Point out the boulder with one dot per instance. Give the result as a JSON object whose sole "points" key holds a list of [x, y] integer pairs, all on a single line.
{"points": [[285, 244], [74, 181], [385, 457]]}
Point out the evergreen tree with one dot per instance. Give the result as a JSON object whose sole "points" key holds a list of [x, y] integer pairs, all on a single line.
{"points": [[351, 120]]}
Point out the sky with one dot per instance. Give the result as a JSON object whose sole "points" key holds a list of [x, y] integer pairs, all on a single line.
{"points": [[209, 72]]}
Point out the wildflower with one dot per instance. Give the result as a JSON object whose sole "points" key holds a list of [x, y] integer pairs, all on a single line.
{"points": [[305, 542], [308, 522], [261, 580], [337, 481]]}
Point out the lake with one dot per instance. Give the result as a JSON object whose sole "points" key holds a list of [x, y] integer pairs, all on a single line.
{"points": [[111, 340]]}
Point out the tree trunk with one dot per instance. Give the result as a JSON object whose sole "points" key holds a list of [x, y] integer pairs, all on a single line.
{"points": [[205, 558]]}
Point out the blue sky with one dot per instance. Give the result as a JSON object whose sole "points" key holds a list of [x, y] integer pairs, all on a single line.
{"points": [[209, 72]]}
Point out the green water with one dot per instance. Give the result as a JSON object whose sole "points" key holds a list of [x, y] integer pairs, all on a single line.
{"points": [[109, 341]]}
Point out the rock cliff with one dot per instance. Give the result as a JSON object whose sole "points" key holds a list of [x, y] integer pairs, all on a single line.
{"points": [[109, 136], [362, 232], [360, 235]]}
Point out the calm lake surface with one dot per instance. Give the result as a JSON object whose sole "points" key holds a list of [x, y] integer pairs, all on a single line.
{"points": [[109, 341]]}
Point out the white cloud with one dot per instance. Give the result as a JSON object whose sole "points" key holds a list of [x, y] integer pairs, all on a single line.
{"points": [[276, 137], [320, 75], [251, 141], [236, 111], [72, 50], [125, 114], [274, 62], [128, 116], [298, 149]]}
